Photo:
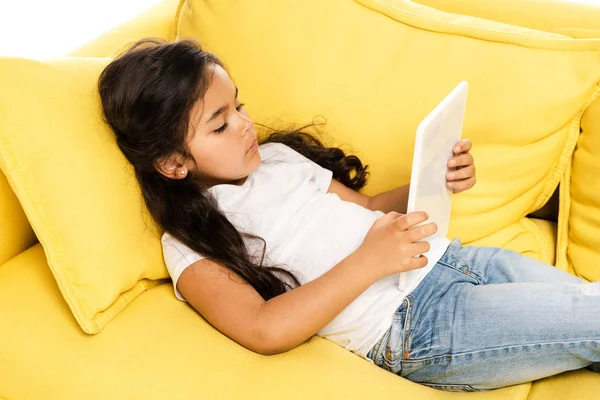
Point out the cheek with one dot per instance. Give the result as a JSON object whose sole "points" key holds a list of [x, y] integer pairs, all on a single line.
{"points": [[212, 163], [218, 162]]}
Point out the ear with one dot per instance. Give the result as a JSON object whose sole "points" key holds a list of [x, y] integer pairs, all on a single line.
{"points": [[172, 166]]}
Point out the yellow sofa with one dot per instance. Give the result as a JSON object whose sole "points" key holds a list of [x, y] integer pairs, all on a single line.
{"points": [[157, 347]]}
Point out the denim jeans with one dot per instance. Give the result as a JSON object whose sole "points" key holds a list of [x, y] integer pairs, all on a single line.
{"points": [[485, 318]]}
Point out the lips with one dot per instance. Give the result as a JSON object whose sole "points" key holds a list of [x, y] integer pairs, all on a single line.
{"points": [[253, 146]]}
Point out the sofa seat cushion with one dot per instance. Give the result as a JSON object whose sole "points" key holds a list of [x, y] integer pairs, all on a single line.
{"points": [[159, 347]]}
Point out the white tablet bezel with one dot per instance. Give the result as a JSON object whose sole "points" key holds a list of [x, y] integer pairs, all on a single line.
{"points": [[436, 135]]}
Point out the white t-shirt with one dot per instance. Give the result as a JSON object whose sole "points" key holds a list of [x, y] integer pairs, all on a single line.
{"points": [[307, 231]]}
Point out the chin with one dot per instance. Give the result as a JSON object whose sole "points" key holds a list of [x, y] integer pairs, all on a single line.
{"points": [[256, 160]]}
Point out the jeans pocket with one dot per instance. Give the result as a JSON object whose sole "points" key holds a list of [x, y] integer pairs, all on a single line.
{"points": [[450, 388]]}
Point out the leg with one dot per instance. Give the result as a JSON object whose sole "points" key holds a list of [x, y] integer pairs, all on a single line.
{"points": [[493, 265], [490, 318]]}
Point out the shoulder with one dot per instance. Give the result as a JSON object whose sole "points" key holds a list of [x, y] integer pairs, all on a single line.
{"points": [[173, 247], [273, 148], [279, 152], [167, 239]]}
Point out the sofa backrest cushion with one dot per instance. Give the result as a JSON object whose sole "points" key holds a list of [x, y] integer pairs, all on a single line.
{"points": [[575, 18], [375, 69], [579, 240]]}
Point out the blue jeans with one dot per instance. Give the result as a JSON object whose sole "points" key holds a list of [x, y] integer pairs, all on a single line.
{"points": [[485, 318]]}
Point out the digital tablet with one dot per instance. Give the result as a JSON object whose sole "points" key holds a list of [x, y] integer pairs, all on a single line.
{"points": [[439, 132], [436, 135]]}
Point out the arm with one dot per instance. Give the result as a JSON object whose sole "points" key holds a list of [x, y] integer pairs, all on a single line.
{"points": [[269, 327], [393, 200], [460, 177]]}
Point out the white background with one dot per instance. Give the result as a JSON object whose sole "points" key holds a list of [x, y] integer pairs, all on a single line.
{"points": [[44, 29]]}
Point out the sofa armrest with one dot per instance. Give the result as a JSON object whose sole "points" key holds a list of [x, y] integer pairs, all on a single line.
{"points": [[160, 20], [575, 18]]}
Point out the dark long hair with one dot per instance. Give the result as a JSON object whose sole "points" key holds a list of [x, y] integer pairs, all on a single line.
{"points": [[147, 94]]}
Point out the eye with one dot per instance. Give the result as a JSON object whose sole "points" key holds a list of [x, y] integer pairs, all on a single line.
{"points": [[221, 128], [224, 126]]}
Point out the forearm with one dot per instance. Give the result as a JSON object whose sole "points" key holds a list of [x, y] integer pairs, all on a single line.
{"points": [[289, 319], [393, 200]]}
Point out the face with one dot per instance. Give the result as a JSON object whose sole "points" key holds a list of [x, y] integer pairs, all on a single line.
{"points": [[221, 136]]}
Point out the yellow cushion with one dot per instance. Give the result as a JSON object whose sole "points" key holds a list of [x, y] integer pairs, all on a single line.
{"points": [[16, 234], [576, 18], [547, 238], [76, 188], [375, 71], [580, 243], [160, 348], [575, 385]]}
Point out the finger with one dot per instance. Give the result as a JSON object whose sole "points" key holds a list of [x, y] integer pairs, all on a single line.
{"points": [[461, 186], [420, 247], [416, 263], [392, 215], [461, 160], [462, 146], [421, 232], [410, 219], [460, 174]]}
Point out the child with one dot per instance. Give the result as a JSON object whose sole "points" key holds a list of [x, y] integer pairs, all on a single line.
{"points": [[272, 243]]}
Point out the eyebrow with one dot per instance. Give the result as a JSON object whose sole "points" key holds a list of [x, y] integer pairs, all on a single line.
{"points": [[222, 108]]}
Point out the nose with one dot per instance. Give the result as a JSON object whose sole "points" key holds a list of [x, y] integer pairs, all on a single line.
{"points": [[245, 124]]}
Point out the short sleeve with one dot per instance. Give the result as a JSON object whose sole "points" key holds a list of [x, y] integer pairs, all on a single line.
{"points": [[323, 176], [177, 258]]}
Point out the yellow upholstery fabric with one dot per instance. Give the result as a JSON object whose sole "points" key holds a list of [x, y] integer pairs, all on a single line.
{"points": [[548, 232], [582, 240], [575, 18], [16, 234], [577, 385], [160, 348], [394, 61], [65, 168]]}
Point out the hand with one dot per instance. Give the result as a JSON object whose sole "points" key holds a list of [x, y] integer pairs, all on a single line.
{"points": [[391, 244], [461, 168]]}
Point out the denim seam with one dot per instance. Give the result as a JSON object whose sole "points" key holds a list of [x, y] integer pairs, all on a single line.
{"points": [[468, 273], [444, 386], [407, 326], [393, 358], [382, 343], [450, 355]]}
